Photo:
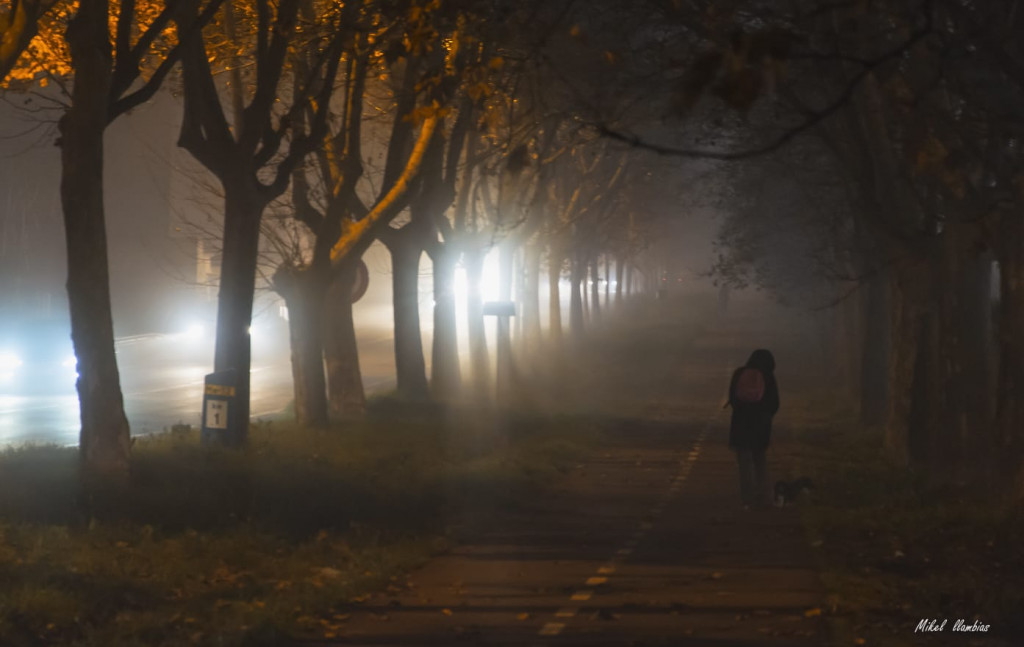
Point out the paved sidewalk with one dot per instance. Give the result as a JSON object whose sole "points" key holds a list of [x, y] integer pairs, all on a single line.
{"points": [[643, 544]]}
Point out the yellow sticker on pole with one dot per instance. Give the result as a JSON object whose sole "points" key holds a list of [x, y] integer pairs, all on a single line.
{"points": [[220, 389]]}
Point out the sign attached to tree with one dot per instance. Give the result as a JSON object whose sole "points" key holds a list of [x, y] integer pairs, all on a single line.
{"points": [[216, 414], [361, 282]]}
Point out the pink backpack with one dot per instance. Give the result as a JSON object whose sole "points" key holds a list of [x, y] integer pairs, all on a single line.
{"points": [[749, 386]]}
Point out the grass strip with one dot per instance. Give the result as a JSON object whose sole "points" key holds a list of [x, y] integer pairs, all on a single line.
{"points": [[896, 550], [258, 546]]}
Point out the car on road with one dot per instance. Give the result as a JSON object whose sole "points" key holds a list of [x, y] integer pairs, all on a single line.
{"points": [[36, 356]]}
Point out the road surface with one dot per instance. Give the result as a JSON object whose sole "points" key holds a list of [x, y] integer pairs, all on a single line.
{"points": [[162, 380]]}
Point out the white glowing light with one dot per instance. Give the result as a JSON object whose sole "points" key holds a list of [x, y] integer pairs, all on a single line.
{"points": [[194, 332], [9, 362], [490, 281]]}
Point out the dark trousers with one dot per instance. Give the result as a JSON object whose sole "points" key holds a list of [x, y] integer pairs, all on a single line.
{"points": [[753, 476]]}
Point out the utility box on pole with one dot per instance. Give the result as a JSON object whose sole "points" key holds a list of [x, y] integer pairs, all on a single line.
{"points": [[504, 311], [221, 423]]}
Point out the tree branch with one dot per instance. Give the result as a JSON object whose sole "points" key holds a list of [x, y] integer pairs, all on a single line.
{"points": [[809, 122], [389, 205]]}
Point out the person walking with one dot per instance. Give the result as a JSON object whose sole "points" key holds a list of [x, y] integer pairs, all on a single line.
{"points": [[754, 398]]}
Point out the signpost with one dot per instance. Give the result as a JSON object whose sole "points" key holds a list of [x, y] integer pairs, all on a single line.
{"points": [[221, 423]]}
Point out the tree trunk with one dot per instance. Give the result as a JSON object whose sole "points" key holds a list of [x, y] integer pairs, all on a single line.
{"points": [[905, 327], [233, 351], [531, 300], [345, 394], [554, 297], [595, 288], [961, 357], [607, 279], [518, 272], [578, 272], [478, 359], [924, 406], [1010, 399], [619, 276], [104, 441], [854, 345], [304, 293], [410, 366], [874, 374], [975, 335], [444, 366], [585, 292], [506, 261]]}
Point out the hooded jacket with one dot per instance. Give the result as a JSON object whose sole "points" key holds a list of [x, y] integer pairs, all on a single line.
{"points": [[751, 426]]}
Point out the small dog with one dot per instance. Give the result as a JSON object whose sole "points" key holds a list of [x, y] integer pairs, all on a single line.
{"points": [[787, 491]]}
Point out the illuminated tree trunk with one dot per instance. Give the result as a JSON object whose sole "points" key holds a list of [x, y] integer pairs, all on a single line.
{"points": [[531, 299], [345, 393], [410, 366], [607, 279], [478, 358], [554, 296], [618, 280], [578, 273], [585, 294], [595, 288], [516, 323], [444, 363], [304, 294], [104, 442], [506, 269]]}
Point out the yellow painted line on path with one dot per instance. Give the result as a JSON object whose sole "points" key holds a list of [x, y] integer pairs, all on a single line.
{"points": [[552, 629]]}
